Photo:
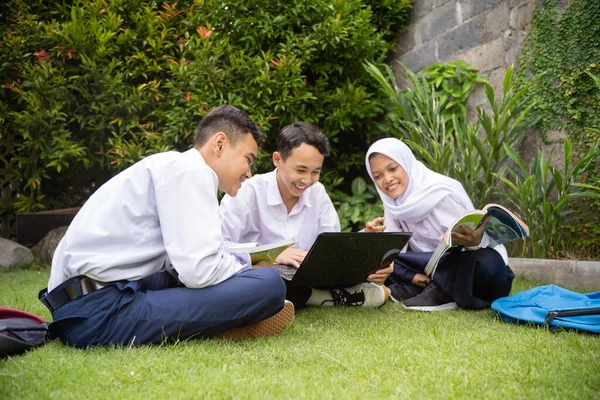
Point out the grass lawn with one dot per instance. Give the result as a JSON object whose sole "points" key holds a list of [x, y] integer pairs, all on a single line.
{"points": [[327, 353]]}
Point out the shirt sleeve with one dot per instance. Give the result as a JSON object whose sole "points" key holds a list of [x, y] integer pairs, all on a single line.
{"points": [[391, 225], [329, 221], [236, 224], [188, 213]]}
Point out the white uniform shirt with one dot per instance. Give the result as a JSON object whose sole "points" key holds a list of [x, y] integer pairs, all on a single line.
{"points": [[258, 214], [428, 232], [163, 206]]}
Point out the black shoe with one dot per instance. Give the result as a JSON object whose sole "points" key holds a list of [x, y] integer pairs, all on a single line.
{"points": [[432, 298], [403, 291]]}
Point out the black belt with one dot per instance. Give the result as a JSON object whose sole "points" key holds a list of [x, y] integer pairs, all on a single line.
{"points": [[70, 290]]}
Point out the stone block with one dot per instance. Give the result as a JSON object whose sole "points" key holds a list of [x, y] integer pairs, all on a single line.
{"points": [[460, 39], [472, 8], [487, 57], [515, 3], [496, 21], [477, 98], [514, 46], [407, 40], [522, 15], [438, 21], [496, 79], [555, 135], [420, 8], [439, 3], [532, 140], [417, 59]]}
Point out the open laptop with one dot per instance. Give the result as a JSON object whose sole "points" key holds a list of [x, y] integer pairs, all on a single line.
{"points": [[344, 259]]}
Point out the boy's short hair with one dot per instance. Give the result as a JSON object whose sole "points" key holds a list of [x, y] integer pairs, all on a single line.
{"points": [[294, 135], [230, 120]]}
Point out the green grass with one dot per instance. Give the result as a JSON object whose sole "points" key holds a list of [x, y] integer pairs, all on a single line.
{"points": [[327, 353]]}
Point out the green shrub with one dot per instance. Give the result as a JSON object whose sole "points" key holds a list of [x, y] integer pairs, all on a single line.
{"points": [[91, 86], [360, 207]]}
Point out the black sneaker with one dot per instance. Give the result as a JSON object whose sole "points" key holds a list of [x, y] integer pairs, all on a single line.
{"points": [[432, 298], [403, 291], [366, 294]]}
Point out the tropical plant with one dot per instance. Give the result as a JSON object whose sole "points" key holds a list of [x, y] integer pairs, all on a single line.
{"points": [[469, 152], [543, 194], [360, 207], [453, 82]]}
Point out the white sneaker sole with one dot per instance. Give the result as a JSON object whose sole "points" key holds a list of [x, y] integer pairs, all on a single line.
{"points": [[442, 307]]}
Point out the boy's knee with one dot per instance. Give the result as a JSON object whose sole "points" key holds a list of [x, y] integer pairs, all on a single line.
{"points": [[270, 284]]}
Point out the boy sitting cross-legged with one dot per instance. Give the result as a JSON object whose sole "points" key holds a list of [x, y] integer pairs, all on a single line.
{"points": [[289, 202]]}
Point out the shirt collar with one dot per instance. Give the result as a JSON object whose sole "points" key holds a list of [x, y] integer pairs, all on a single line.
{"points": [[274, 196]]}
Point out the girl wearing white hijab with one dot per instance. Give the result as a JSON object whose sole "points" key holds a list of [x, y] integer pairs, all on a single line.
{"points": [[419, 200]]}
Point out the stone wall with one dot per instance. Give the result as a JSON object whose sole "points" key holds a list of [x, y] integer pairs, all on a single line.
{"points": [[486, 33]]}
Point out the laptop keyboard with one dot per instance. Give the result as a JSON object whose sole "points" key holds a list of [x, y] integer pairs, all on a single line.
{"points": [[287, 272]]}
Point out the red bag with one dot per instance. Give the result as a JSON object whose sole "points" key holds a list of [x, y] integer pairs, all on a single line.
{"points": [[20, 331]]}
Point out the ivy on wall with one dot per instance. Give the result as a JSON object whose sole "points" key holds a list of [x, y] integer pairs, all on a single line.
{"points": [[562, 46]]}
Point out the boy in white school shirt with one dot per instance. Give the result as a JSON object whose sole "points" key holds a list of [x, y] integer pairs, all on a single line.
{"points": [[110, 284], [290, 202]]}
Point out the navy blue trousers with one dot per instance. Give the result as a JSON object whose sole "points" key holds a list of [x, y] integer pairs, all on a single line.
{"points": [[473, 278], [158, 308]]}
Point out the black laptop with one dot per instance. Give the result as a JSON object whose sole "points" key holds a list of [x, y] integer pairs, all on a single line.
{"points": [[344, 259]]}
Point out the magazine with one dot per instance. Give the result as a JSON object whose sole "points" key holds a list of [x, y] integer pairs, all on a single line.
{"points": [[502, 227], [266, 252]]}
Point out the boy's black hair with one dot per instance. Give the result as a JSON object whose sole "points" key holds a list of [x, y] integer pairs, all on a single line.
{"points": [[294, 135], [230, 120]]}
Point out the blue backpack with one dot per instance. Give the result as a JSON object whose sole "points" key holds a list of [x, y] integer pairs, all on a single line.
{"points": [[552, 306]]}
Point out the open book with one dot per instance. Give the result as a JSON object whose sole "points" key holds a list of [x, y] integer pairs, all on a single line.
{"points": [[266, 252], [503, 227]]}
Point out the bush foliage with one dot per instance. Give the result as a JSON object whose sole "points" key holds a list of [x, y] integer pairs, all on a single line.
{"points": [[91, 86]]}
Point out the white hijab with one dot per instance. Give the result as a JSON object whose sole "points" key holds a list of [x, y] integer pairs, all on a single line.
{"points": [[425, 190]]}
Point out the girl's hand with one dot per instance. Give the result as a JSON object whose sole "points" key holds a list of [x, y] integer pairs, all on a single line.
{"points": [[381, 275], [470, 237], [292, 256], [375, 225]]}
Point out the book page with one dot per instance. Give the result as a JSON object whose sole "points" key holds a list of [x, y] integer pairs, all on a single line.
{"points": [[267, 252], [504, 226]]}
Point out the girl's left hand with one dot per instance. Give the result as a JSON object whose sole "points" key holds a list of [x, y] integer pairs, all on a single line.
{"points": [[381, 275], [469, 237]]}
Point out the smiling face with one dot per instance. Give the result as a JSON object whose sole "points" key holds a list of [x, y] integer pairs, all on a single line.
{"points": [[388, 175], [299, 171], [235, 163]]}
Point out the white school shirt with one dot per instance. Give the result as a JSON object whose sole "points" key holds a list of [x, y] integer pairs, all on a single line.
{"points": [[428, 232], [163, 206], [258, 214]]}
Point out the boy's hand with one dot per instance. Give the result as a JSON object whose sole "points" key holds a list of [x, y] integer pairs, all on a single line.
{"points": [[470, 237], [292, 256], [381, 275], [375, 225]]}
